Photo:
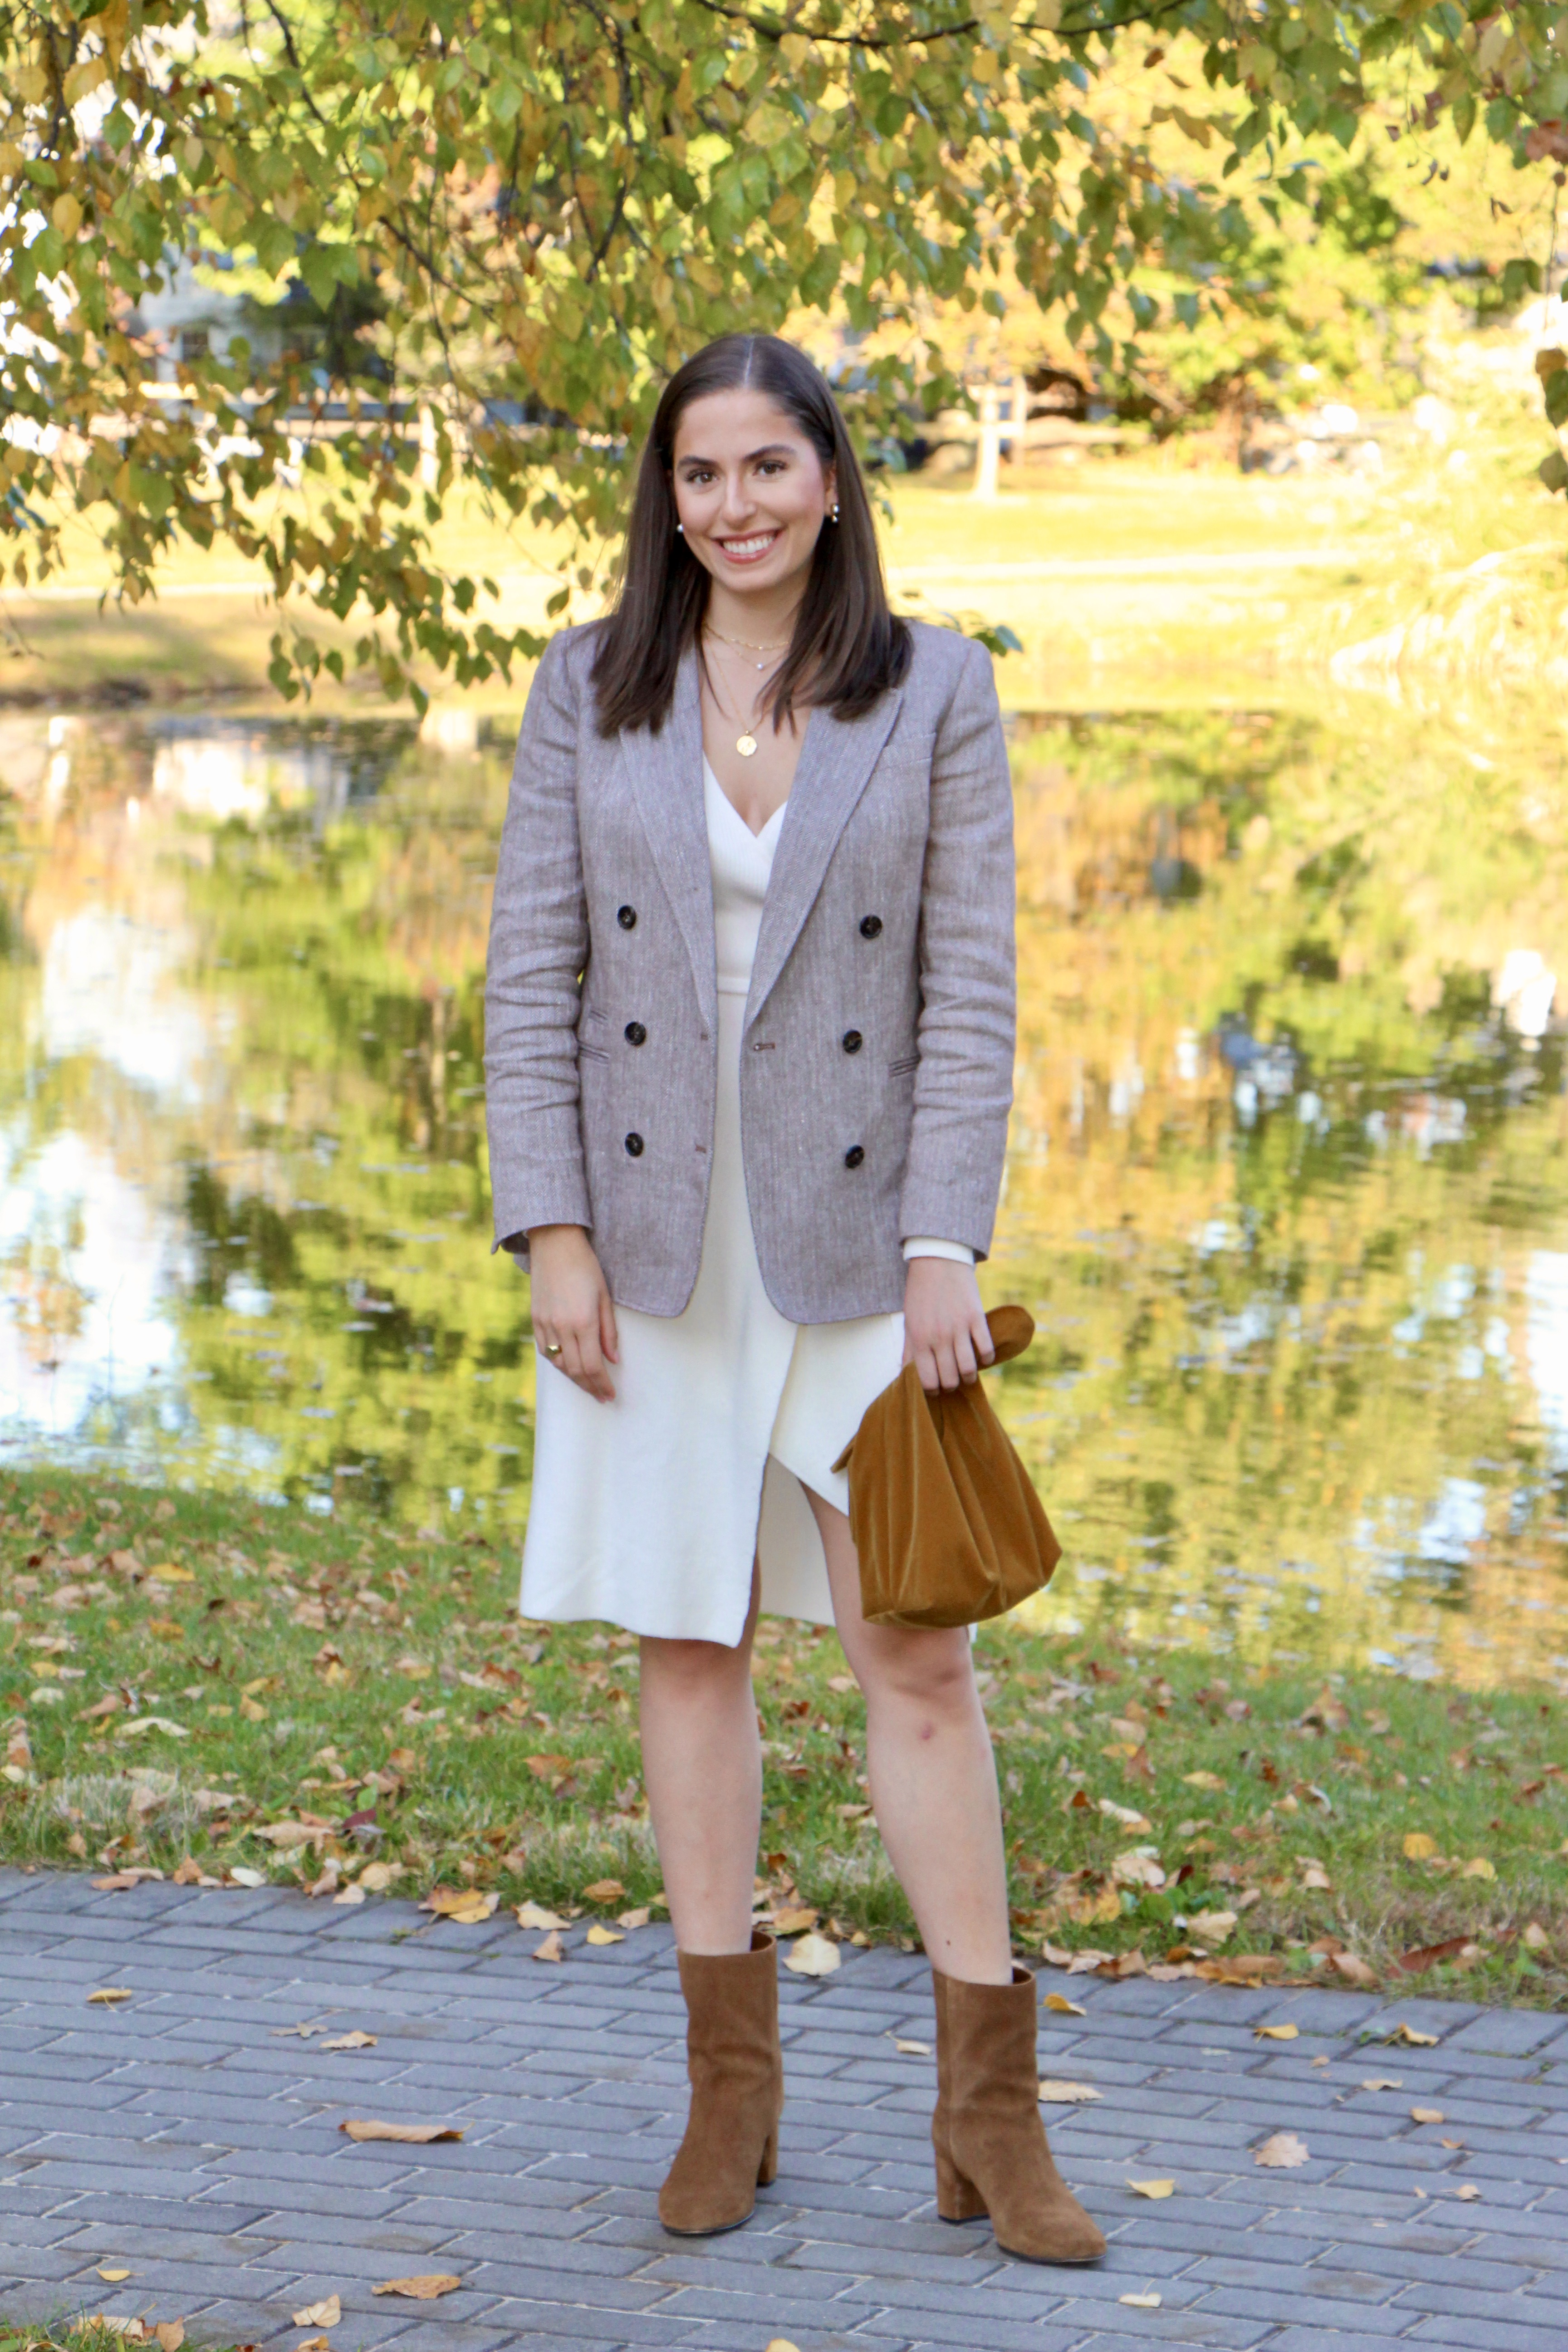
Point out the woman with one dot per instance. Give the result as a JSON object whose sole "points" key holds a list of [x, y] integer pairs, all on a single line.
{"points": [[749, 1046]]}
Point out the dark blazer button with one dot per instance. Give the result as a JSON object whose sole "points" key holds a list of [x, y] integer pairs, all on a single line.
{"points": [[627, 918], [635, 1034], [853, 1156], [852, 1041], [870, 926], [634, 1146]]}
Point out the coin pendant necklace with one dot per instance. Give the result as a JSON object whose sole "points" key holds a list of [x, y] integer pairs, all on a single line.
{"points": [[745, 743]]}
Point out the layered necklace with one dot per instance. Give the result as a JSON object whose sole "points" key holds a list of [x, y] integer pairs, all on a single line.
{"points": [[746, 742]]}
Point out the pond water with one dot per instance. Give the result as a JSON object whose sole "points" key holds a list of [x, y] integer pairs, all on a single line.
{"points": [[1287, 1189]]}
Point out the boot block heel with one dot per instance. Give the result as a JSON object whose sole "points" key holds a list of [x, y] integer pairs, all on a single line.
{"points": [[768, 2169], [957, 2199]]}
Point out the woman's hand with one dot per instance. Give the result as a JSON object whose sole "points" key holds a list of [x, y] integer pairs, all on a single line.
{"points": [[946, 1336], [573, 1309]]}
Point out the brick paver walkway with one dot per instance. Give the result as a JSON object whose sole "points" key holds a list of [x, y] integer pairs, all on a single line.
{"points": [[179, 2136]]}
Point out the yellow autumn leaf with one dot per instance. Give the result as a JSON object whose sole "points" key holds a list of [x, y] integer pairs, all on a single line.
{"points": [[355, 2041], [1202, 1780], [1418, 1846], [1282, 2150], [1152, 2187], [1410, 2037], [534, 1914], [598, 1934], [1479, 1868], [1276, 2032], [107, 1995], [170, 2335], [361, 2127], [1147, 2302], [552, 1948], [423, 2288], [605, 1890], [1427, 2114], [813, 1956], [1467, 2191], [911, 2049], [1067, 2094], [1062, 2006], [114, 2277], [326, 2314]]}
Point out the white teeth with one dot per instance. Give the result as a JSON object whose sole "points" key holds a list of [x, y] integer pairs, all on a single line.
{"points": [[747, 546]]}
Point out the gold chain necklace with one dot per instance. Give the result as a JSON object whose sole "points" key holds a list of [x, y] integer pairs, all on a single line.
{"points": [[745, 743]]}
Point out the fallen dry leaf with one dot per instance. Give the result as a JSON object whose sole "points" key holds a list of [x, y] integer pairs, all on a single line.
{"points": [[1276, 2032], [1150, 2302], [415, 2134], [1353, 1969], [377, 1876], [171, 2334], [598, 1934], [1479, 1868], [1212, 1927], [107, 1995], [320, 2315], [242, 1875], [1466, 2191], [1535, 1937], [1062, 2006], [911, 2049], [1202, 1780], [534, 1914], [1281, 2151], [1427, 2114], [605, 1890], [813, 1956], [1383, 2082], [1418, 1846], [355, 2041], [1067, 2094], [795, 1918], [637, 1918], [465, 1905], [1315, 1880], [1411, 2038], [422, 2289], [114, 2277], [552, 1948], [1152, 2187], [315, 2344], [349, 1895]]}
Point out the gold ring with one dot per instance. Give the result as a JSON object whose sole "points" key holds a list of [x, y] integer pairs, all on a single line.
{"points": [[552, 1347]]}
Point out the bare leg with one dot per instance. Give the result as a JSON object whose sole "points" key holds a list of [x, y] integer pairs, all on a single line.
{"points": [[702, 1768], [933, 1782]]}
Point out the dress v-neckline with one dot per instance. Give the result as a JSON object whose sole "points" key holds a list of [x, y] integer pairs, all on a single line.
{"points": [[710, 777]]}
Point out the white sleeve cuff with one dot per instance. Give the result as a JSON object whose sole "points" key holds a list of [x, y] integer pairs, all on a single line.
{"points": [[923, 1245]]}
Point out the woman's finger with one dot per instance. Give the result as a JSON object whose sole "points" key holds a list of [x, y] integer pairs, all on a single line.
{"points": [[926, 1366], [947, 1365], [609, 1338], [963, 1356], [984, 1345]]}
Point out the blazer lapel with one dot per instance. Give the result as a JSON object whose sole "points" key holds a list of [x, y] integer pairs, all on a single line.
{"points": [[666, 771], [835, 762]]}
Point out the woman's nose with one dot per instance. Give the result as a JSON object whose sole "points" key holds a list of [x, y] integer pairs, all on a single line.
{"points": [[738, 500]]}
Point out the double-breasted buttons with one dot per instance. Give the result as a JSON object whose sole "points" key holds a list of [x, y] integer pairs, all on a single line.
{"points": [[627, 919], [870, 926], [634, 1146], [852, 1041], [855, 1155], [635, 1035]]}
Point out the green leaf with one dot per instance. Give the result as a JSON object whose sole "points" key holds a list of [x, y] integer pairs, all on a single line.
{"points": [[1553, 470]]}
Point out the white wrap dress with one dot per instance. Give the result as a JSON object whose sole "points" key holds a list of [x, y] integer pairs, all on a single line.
{"points": [[647, 1512]]}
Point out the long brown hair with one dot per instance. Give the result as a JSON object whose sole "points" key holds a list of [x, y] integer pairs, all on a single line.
{"points": [[848, 648]]}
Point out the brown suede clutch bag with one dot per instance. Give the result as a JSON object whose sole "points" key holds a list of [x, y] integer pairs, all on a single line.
{"points": [[948, 1526]]}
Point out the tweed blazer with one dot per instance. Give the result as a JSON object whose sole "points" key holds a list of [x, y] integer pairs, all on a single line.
{"points": [[877, 1056]]}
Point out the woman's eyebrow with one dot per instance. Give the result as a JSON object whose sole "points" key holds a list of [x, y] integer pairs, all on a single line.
{"points": [[773, 449]]}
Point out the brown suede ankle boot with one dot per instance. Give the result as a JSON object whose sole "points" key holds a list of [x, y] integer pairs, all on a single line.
{"points": [[992, 2155], [732, 2144]]}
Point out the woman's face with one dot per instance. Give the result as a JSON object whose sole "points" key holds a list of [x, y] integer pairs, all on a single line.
{"points": [[751, 492]]}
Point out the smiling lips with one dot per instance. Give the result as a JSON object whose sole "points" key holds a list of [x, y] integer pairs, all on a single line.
{"points": [[747, 551]]}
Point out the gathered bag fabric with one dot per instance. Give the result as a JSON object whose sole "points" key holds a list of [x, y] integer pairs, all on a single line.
{"points": [[945, 1520]]}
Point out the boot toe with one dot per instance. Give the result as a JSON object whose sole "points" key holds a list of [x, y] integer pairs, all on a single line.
{"points": [[1065, 2235]]}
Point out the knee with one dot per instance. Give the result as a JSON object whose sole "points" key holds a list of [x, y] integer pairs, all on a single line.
{"points": [[690, 1670], [931, 1671]]}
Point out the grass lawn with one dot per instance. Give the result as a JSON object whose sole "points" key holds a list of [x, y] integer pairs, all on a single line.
{"points": [[226, 1691]]}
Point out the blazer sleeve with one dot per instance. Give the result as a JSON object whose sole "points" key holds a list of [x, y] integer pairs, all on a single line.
{"points": [[964, 1083], [538, 950]]}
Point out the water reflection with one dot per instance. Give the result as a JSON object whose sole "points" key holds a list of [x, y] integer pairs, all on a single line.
{"points": [[1287, 1183]]}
